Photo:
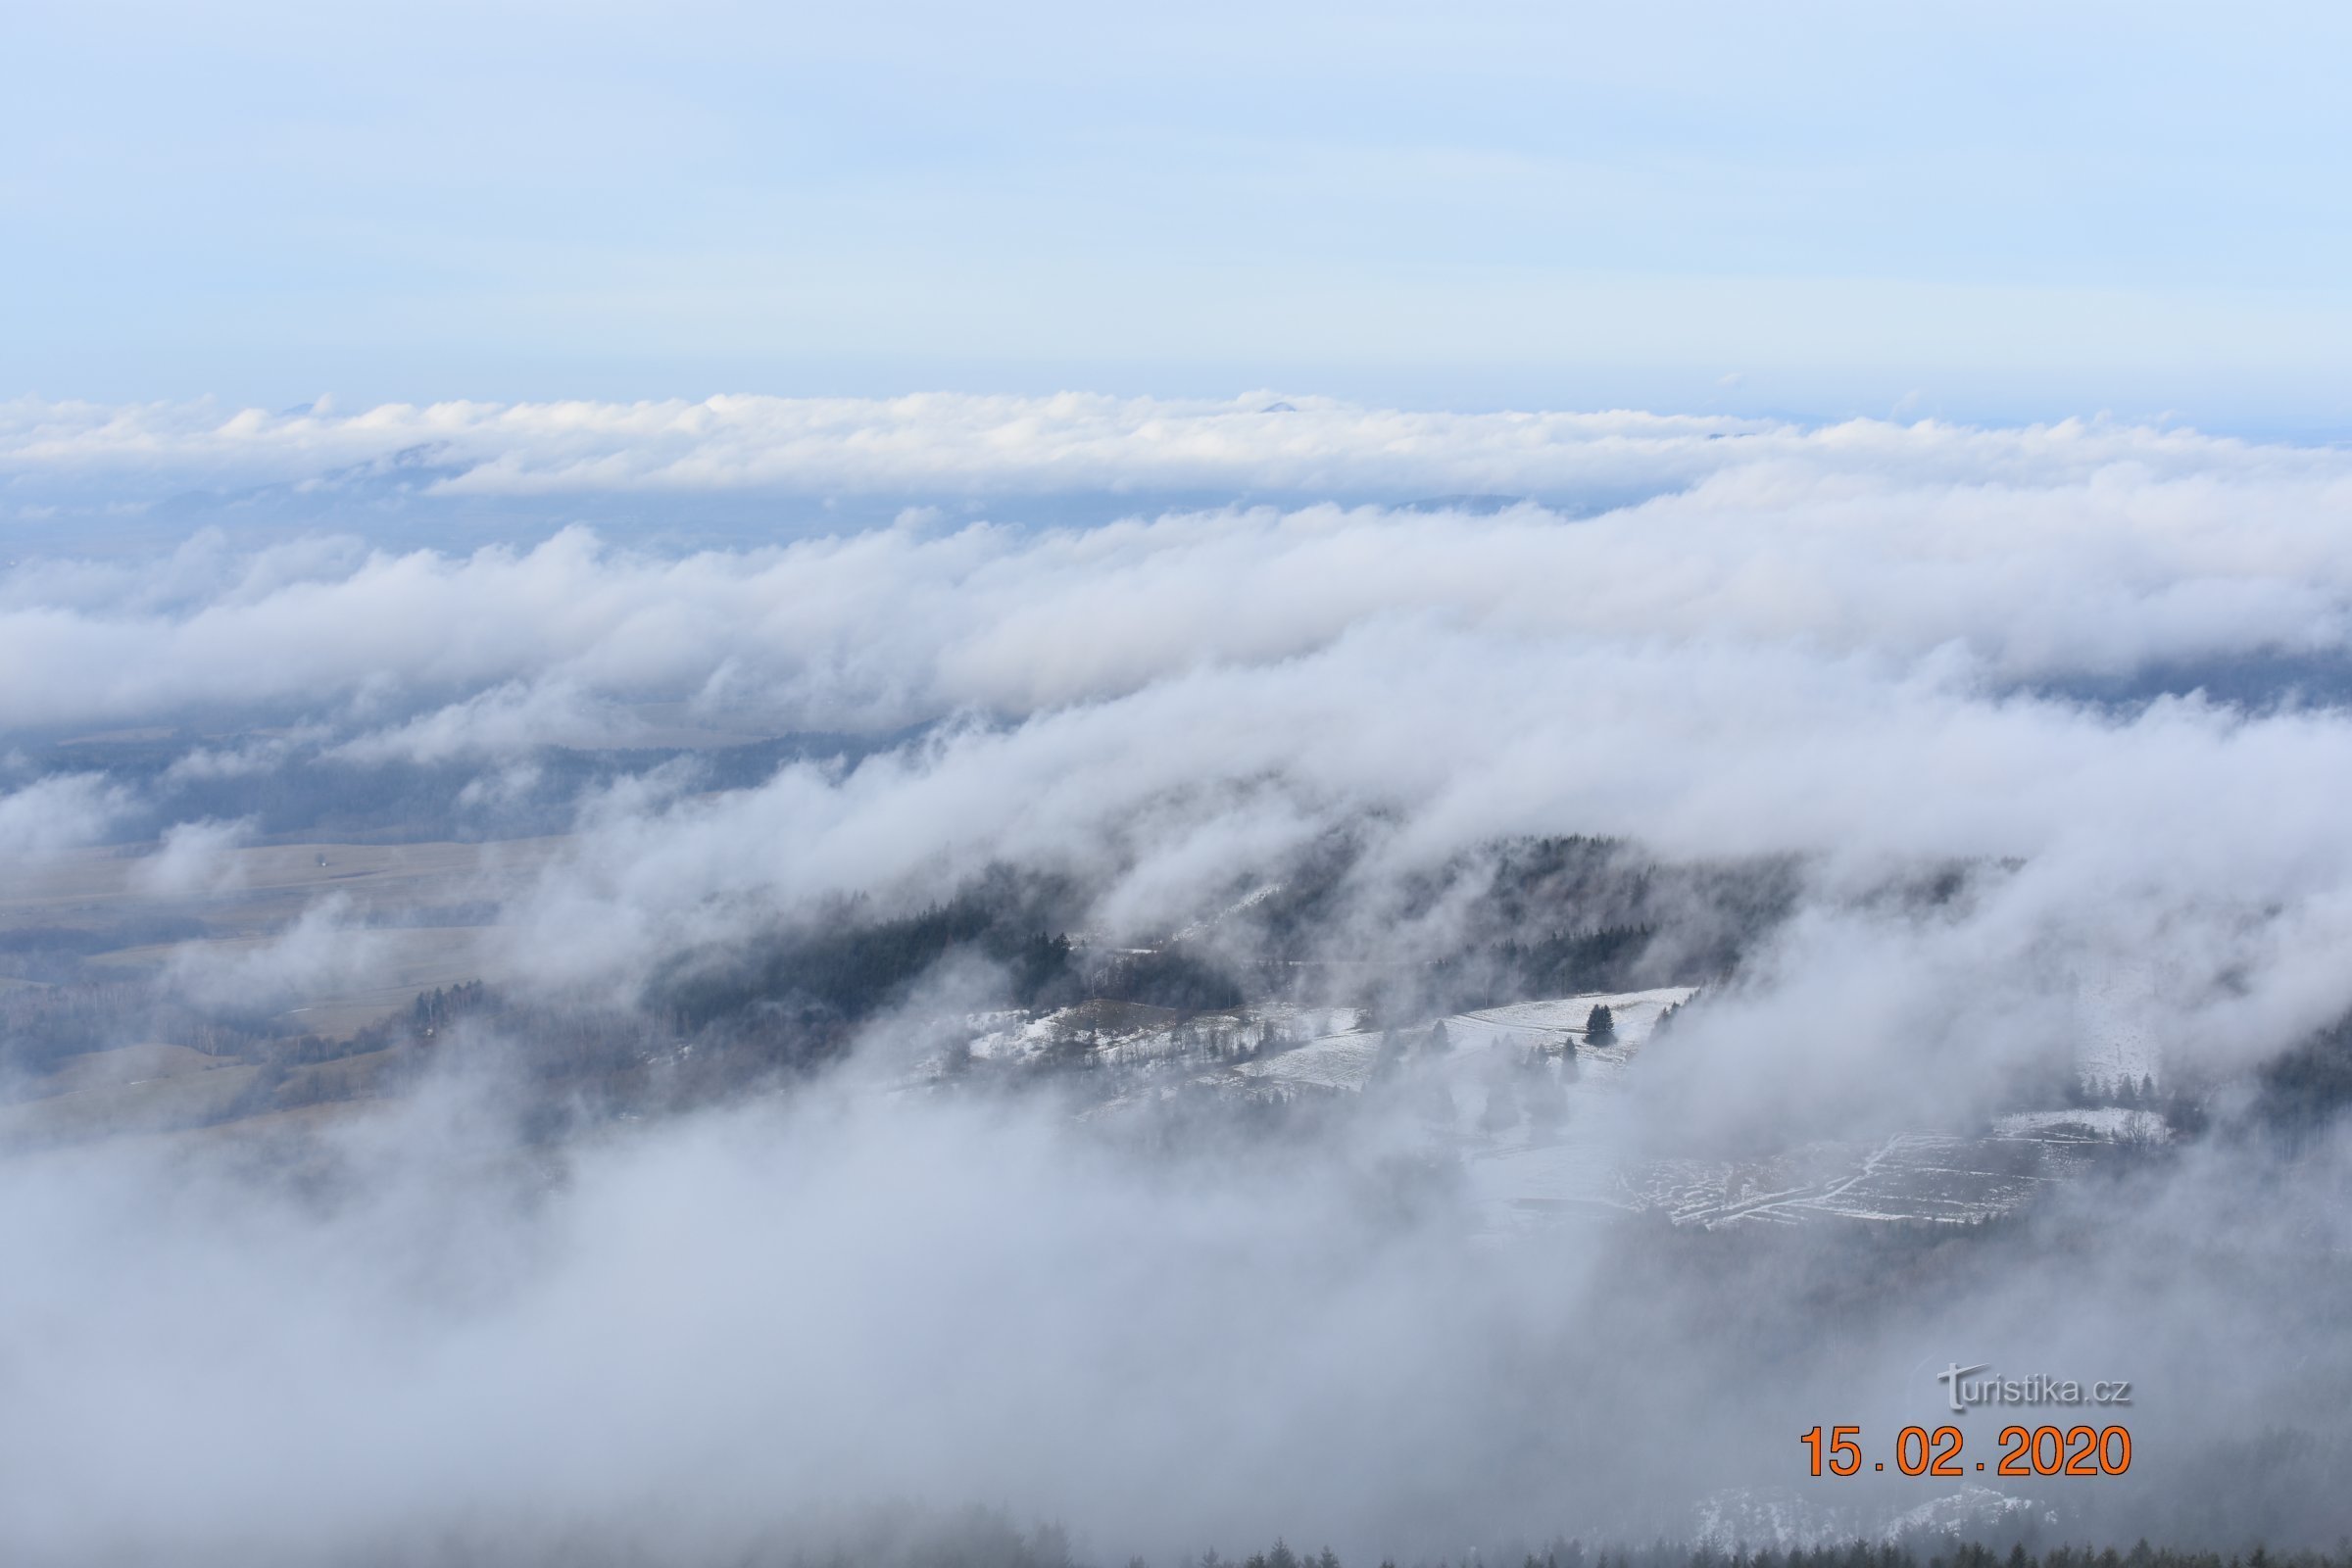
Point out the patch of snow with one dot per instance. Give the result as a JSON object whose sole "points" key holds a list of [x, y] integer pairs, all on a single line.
{"points": [[1008, 1036], [1336, 1062], [1970, 1508], [1634, 1013], [1783, 1519], [2114, 1123], [1247, 900]]}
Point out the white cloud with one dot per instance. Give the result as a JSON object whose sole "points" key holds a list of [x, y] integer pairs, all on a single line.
{"points": [[2042, 554], [984, 444], [62, 811], [194, 858], [512, 717]]}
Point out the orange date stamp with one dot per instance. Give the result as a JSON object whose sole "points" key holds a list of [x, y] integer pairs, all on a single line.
{"points": [[2044, 1450]]}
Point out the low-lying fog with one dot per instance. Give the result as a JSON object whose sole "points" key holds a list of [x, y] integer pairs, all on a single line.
{"points": [[958, 992]]}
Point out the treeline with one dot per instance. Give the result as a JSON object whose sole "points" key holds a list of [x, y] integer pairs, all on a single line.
{"points": [[1510, 921], [436, 1010], [850, 966], [2183, 1103], [2306, 1088], [44, 1027], [1563, 962], [987, 1539], [1173, 977], [1934, 1552], [1599, 900], [1525, 918], [850, 969]]}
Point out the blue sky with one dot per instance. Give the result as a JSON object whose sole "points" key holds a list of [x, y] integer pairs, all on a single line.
{"points": [[1982, 211]]}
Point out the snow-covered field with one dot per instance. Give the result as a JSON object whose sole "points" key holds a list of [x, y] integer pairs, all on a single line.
{"points": [[1912, 1176], [1334, 1061], [2102, 1123], [1636, 1014], [1344, 1061], [1533, 1110]]}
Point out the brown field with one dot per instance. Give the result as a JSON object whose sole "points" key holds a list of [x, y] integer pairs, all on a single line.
{"points": [[416, 916], [97, 1097], [264, 886], [418, 908], [123, 1066], [155, 1104]]}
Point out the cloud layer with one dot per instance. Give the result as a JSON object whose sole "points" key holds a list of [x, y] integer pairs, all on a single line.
{"points": [[2046, 554], [2100, 664], [977, 443], [1872, 643]]}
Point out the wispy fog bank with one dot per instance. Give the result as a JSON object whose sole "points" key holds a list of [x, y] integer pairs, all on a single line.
{"points": [[1966, 773]]}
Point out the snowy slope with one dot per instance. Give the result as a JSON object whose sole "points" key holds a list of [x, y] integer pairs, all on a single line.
{"points": [[1343, 1060], [2114, 1012]]}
